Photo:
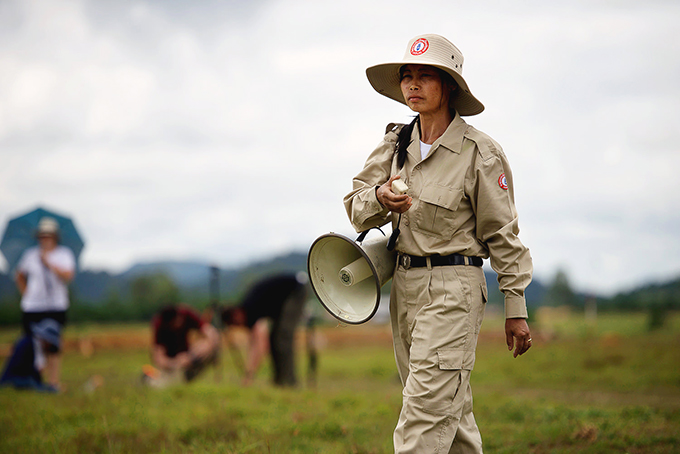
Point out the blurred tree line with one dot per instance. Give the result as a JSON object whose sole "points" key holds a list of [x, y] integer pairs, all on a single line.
{"points": [[655, 299], [145, 296], [142, 296], [137, 294]]}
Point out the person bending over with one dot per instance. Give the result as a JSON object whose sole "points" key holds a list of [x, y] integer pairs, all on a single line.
{"points": [[277, 301]]}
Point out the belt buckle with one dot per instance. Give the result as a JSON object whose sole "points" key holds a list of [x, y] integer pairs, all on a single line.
{"points": [[405, 261]]}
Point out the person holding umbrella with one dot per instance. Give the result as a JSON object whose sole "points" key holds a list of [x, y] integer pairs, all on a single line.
{"points": [[42, 276]]}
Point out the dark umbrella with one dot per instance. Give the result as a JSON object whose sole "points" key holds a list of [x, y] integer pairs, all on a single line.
{"points": [[20, 235]]}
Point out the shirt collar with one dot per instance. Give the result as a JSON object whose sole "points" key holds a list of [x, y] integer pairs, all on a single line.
{"points": [[453, 136], [452, 139]]}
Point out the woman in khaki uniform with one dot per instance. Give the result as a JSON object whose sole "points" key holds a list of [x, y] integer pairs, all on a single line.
{"points": [[459, 209]]}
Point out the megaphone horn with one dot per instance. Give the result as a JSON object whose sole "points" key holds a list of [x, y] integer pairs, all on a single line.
{"points": [[347, 275]]}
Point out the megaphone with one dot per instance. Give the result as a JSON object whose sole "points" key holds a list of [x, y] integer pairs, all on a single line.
{"points": [[347, 275]]}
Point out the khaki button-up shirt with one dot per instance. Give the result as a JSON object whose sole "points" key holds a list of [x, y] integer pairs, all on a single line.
{"points": [[463, 202]]}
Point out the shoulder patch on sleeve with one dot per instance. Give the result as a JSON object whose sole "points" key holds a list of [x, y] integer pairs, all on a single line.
{"points": [[488, 148], [503, 182]]}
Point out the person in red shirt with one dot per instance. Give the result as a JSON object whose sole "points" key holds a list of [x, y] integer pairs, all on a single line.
{"points": [[172, 350]]}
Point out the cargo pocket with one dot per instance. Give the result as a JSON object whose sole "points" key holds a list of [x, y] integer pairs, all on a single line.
{"points": [[481, 309], [435, 213], [455, 359]]}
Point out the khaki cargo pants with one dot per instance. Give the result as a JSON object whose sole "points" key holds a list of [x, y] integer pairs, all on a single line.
{"points": [[436, 313]]}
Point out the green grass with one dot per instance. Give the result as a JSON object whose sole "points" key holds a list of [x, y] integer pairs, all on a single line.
{"points": [[582, 388]]}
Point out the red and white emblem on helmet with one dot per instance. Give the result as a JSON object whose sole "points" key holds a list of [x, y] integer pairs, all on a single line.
{"points": [[419, 46], [503, 182]]}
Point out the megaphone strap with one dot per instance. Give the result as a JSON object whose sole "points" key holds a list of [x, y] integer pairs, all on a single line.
{"points": [[395, 234], [363, 234]]}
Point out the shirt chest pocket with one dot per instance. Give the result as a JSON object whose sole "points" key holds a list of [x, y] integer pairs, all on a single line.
{"points": [[435, 214]]}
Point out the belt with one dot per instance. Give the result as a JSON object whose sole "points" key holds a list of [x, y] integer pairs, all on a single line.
{"points": [[413, 261]]}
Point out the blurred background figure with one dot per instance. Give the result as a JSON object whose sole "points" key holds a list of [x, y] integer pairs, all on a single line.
{"points": [[23, 368], [174, 351], [42, 276], [271, 311]]}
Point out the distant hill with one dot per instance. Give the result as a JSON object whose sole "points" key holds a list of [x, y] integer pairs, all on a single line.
{"points": [[185, 274], [192, 277], [660, 295], [8, 288], [96, 286]]}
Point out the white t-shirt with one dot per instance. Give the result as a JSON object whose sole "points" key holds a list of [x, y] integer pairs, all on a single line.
{"points": [[424, 149], [44, 290]]}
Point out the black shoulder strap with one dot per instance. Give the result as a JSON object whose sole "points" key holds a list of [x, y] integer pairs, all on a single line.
{"points": [[363, 234]]}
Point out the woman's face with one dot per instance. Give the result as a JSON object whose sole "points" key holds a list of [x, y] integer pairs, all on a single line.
{"points": [[47, 242], [424, 90]]}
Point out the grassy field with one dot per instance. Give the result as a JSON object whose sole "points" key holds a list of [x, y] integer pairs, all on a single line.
{"points": [[583, 388]]}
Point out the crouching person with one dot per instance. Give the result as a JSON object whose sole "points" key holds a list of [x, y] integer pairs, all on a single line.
{"points": [[24, 367], [174, 353]]}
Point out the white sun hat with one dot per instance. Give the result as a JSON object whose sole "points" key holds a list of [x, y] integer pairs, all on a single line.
{"points": [[48, 226], [433, 50]]}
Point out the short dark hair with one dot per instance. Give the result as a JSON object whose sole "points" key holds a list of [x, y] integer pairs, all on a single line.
{"points": [[228, 316], [168, 314]]}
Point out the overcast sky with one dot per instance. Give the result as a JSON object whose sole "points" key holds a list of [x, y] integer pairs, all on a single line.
{"points": [[227, 131]]}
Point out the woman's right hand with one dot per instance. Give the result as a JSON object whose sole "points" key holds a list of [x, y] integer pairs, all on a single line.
{"points": [[390, 200]]}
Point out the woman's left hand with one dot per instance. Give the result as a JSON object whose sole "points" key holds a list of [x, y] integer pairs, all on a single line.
{"points": [[518, 335]]}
